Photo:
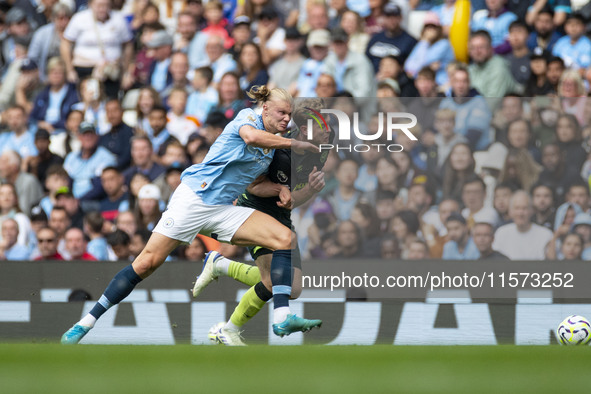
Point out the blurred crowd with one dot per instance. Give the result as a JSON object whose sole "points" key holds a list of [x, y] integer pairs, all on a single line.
{"points": [[104, 103]]}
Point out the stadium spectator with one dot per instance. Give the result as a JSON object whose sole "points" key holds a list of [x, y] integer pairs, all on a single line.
{"points": [[572, 247], [489, 73], [472, 112], [326, 86], [582, 226], [9, 248], [190, 39], [284, 72], [391, 69], [9, 209], [18, 30], [148, 212], [160, 49], [405, 225], [574, 48], [483, 235], [117, 139], [520, 136], [522, 239], [219, 61], [241, 34], [543, 205], [93, 104], [544, 34], [518, 58], [458, 167], [354, 25], [270, 35], [204, 96], [387, 174], [28, 85], [97, 42], [352, 73], [418, 250], [180, 124], [495, 20], [393, 40], [138, 241], [117, 199], [178, 69], [366, 219], [555, 173], [446, 138], [433, 50], [56, 178], [520, 170], [76, 245], [347, 241], [160, 136], [126, 221], [93, 228], [66, 200], [195, 251], [64, 143], [60, 222], [45, 43], [28, 188], [86, 164], [538, 83], [232, 98], [578, 193], [569, 138], [216, 22], [47, 239], [251, 64], [141, 155], [119, 242], [317, 43], [39, 165], [501, 200], [473, 198], [460, 245], [555, 69], [445, 13], [19, 138]]}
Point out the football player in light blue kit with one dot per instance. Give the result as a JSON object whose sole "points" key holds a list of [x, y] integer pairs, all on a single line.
{"points": [[203, 203]]}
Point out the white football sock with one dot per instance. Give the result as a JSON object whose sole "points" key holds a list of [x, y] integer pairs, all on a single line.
{"points": [[280, 314], [231, 326], [221, 266], [87, 320]]}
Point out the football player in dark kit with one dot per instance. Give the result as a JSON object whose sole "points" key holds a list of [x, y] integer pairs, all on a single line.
{"points": [[291, 180]]}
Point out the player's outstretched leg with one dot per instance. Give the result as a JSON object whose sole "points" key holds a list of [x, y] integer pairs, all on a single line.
{"points": [[284, 322], [250, 304], [119, 288], [216, 265], [158, 248]]}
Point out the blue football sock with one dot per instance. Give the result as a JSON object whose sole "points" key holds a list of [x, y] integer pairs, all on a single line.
{"points": [[281, 277], [119, 288]]}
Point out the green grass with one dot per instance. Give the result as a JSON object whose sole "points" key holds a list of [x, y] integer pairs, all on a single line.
{"points": [[49, 368]]}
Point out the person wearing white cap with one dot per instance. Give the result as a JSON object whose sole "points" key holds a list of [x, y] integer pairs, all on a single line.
{"points": [[203, 204], [317, 43], [148, 204]]}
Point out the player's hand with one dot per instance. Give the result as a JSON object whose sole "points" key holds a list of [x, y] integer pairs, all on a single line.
{"points": [[285, 200], [316, 180], [301, 147]]}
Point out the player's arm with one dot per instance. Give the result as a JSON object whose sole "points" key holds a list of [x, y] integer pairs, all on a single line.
{"points": [[262, 139], [263, 187], [315, 184]]}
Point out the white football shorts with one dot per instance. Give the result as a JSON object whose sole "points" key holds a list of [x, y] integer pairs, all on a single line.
{"points": [[187, 215]]}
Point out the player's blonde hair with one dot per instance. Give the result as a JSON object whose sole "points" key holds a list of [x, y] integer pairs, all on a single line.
{"points": [[261, 94]]}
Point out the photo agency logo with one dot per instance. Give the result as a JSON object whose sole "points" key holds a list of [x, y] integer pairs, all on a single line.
{"points": [[346, 141]]}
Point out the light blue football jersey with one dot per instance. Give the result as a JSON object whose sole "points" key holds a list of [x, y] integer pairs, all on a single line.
{"points": [[230, 165]]}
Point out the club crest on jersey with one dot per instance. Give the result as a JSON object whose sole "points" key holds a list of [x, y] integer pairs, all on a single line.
{"points": [[281, 176], [266, 151], [203, 185]]}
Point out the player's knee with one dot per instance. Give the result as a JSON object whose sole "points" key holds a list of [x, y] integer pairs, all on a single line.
{"points": [[145, 264], [285, 240]]}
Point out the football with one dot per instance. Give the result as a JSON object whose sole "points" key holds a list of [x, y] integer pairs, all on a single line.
{"points": [[574, 330]]}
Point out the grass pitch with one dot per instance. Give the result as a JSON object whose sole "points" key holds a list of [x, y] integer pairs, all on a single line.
{"points": [[49, 368]]}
